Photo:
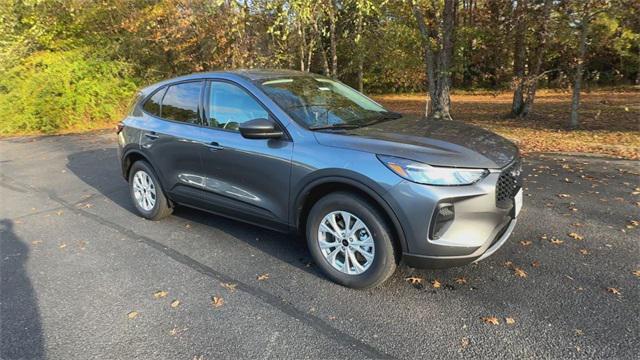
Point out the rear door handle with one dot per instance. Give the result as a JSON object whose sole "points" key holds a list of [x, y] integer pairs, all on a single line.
{"points": [[213, 146]]}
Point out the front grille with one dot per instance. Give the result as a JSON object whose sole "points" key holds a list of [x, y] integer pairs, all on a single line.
{"points": [[509, 183]]}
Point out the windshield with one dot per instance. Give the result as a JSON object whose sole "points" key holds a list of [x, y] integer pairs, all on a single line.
{"points": [[322, 103]]}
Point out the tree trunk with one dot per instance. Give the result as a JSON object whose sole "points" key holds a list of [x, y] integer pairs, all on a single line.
{"points": [[438, 62], [531, 83], [518, 59], [441, 107], [577, 84], [332, 35]]}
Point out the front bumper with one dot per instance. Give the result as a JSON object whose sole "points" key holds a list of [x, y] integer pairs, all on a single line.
{"points": [[478, 229]]}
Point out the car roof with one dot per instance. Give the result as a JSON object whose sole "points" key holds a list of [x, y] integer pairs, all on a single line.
{"points": [[253, 75]]}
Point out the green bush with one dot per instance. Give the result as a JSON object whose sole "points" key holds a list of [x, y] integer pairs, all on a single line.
{"points": [[61, 91]]}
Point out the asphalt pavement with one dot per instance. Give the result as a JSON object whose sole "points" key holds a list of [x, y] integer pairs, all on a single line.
{"points": [[83, 277]]}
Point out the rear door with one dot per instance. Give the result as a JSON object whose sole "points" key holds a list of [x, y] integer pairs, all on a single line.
{"points": [[173, 134], [247, 178]]}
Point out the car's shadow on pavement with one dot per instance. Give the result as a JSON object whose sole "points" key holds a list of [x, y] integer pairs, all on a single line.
{"points": [[20, 325], [100, 170]]}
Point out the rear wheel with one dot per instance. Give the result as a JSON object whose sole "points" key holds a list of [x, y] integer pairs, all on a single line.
{"points": [[350, 241], [146, 192]]}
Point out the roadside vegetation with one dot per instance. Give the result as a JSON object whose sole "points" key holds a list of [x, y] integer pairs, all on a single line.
{"points": [[72, 65]]}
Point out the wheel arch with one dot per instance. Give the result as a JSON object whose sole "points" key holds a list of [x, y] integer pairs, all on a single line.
{"points": [[316, 189]]}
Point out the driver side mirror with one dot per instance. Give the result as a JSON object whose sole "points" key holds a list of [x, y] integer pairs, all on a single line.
{"points": [[260, 129]]}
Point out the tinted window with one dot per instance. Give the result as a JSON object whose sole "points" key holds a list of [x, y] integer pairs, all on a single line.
{"points": [[230, 106], [181, 102], [152, 106]]}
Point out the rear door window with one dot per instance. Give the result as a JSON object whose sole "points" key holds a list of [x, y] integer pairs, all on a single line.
{"points": [[181, 102]]}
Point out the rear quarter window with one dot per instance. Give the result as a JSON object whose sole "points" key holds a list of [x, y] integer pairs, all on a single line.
{"points": [[152, 105]]}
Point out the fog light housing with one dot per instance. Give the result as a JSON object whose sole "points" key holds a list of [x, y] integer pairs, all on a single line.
{"points": [[441, 220]]}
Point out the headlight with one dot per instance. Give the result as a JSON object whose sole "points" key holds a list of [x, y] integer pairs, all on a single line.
{"points": [[431, 175]]}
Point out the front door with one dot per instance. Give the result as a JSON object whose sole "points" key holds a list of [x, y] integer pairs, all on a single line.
{"points": [[247, 178]]}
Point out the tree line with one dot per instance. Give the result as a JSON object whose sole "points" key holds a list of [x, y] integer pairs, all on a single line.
{"points": [[377, 46]]}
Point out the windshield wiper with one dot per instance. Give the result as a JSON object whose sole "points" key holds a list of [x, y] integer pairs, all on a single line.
{"points": [[334, 126]]}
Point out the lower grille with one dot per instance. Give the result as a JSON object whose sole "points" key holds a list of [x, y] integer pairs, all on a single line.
{"points": [[509, 182]]}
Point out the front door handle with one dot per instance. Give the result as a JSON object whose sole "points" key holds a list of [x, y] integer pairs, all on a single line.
{"points": [[214, 146], [151, 136]]}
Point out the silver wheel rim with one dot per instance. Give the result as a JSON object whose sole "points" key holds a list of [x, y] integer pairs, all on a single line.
{"points": [[346, 243], [144, 190]]}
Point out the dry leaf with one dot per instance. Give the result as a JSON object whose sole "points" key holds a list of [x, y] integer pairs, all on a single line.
{"points": [[461, 280], [584, 251], [575, 236], [59, 212], [556, 241], [175, 303], [436, 284], [331, 317], [160, 294], [519, 272], [564, 195], [413, 280], [636, 272], [229, 286], [525, 242], [614, 291], [510, 320], [36, 242], [188, 226], [508, 264], [464, 342], [263, 277], [132, 315], [62, 246], [217, 301], [490, 320], [535, 263]]}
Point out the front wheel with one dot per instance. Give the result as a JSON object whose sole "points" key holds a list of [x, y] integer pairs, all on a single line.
{"points": [[146, 192], [350, 241]]}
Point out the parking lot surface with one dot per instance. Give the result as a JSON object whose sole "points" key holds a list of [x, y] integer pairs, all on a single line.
{"points": [[83, 277]]}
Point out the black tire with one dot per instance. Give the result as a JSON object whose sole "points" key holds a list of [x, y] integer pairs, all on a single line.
{"points": [[385, 256], [161, 208]]}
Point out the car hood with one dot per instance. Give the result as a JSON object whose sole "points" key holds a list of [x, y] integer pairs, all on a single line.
{"points": [[435, 142]]}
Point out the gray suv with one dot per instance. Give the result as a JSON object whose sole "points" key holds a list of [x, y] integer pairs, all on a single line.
{"points": [[299, 152]]}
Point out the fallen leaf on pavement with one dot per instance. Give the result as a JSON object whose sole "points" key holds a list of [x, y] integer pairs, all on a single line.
{"points": [[535, 263], [556, 241], [132, 315], [508, 264], [525, 242], [36, 242], [229, 286], [62, 246], [217, 301], [490, 320], [614, 291], [584, 251], [575, 236], [263, 277], [175, 303], [160, 294], [519, 272], [413, 280], [636, 272], [564, 195], [510, 320], [464, 342], [436, 284], [461, 280]]}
